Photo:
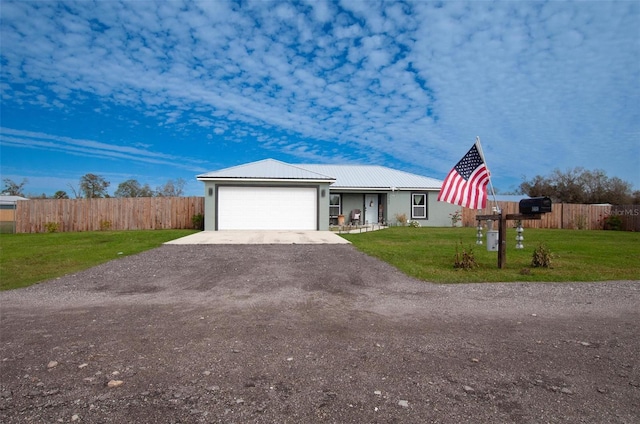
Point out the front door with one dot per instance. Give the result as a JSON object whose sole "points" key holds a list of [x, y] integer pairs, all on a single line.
{"points": [[371, 208]]}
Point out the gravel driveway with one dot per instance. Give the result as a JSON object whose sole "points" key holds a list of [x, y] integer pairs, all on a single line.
{"points": [[312, 333]]}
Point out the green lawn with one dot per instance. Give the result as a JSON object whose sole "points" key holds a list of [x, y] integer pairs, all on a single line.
{"points": [[424, 253], [428, 254], [26, 259]]}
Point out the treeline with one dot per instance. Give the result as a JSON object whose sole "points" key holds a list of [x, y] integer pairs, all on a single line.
{"points": [[581, 186], [92, 186]]}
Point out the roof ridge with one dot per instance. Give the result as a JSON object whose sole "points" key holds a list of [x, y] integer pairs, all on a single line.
{"points": [[265, 163]]}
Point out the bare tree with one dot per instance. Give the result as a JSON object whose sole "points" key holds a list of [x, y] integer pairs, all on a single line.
{"points": [[11, 188], [578, 185], [171, 188], [76, 195]]}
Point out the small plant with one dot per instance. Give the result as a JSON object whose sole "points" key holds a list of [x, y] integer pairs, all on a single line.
{"points": [[105, 225], [612, 222], [580, 223], [414, 224], [401, 218], [51, 227], [464, 259], [455, 217], [541, 257], [198, 221]]}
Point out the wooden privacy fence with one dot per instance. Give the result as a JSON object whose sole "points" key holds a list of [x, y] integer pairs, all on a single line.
{"points": [[562, 216], [122, 213]]}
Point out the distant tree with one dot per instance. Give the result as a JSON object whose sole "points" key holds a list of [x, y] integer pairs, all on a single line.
{"points": [[580, 186], [132, 188], [538, 186], [60, 194], [171, 188], [93, 186], [76, 194], [11, 188]]}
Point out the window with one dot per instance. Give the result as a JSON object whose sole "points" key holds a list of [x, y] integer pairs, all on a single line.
{"points": [[418, 205], [335, 205]]}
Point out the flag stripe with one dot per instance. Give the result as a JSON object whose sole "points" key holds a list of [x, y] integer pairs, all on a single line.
{"points": [[470, 192]]}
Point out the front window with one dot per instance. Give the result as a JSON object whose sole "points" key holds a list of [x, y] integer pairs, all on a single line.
{"points": [[418, 206], [335, 205]]}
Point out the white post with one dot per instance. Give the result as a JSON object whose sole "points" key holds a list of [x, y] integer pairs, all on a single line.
{"points": [[493, 193]]}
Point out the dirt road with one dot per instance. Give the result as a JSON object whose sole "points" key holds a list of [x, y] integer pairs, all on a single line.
{"points": [[306, 334]]}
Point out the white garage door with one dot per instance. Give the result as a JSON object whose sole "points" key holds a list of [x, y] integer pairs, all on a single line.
{"points": [[267, 208]]}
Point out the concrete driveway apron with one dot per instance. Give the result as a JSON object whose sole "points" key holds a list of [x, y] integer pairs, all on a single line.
{"points": [[261, 237]]}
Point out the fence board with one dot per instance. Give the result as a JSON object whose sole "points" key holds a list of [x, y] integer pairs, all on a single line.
{"points": [[150, 213], [629, 215], [139, 213], [562, 216]]}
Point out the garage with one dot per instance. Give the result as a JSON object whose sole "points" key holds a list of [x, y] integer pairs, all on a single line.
{"points": [[267, 208]]}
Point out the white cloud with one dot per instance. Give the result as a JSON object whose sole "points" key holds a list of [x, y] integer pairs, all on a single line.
{"points": [[413, 81], [90, 148]]}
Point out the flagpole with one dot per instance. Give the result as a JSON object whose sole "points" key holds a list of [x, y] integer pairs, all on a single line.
{"points": [[493, 192]]}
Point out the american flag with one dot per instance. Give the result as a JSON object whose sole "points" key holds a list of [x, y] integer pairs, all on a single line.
{"points": [[466, 184]]}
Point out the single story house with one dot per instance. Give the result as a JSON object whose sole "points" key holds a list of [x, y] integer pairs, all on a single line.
{"points": [[8, 205], [273, 195]]}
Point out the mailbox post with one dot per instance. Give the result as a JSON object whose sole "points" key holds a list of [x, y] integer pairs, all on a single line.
{"points": [[532, 208]]}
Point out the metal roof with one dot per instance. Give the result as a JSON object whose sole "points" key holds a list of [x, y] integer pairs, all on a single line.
{"points": [[373, 177], [11, 200], [268, 169]]}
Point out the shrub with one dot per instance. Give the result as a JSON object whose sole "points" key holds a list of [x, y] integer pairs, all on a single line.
{"points": [[541, 257], [612, 222], [198, 221], [455, 217], [401, 218], [51, 227], [464, 259], [580, 223], [414, 224]]}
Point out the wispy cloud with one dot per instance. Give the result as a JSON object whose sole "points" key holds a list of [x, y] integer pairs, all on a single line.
{"points": [[545, 84], [35, 140]]}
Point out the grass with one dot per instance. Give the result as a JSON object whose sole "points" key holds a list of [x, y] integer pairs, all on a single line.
{"points": [[26, 259], [6, 227], [423, 253], [428, 254]]}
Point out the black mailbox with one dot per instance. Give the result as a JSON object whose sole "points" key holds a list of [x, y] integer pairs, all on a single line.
{"points": [[535, 205]]}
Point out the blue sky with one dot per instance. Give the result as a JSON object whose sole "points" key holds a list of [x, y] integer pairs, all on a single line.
{"points": [[168, 90]]}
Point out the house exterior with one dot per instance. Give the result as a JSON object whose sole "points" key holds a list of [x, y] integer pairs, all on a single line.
{"points": [[8, 205], [274, 195]]}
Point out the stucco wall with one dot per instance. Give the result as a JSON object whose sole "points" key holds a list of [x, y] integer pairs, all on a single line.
{"points": [[350, 202], [399, 202], [209, 206]]}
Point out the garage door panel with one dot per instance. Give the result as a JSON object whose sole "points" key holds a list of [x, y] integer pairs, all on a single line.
{"points": [[267, 208]]}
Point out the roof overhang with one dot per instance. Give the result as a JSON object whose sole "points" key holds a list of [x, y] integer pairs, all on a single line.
{"points": [[266, 180], [382, 189]]}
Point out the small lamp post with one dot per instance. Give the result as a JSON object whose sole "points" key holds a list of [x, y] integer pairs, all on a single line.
{"points": [[519, 236], [479, 234]]}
